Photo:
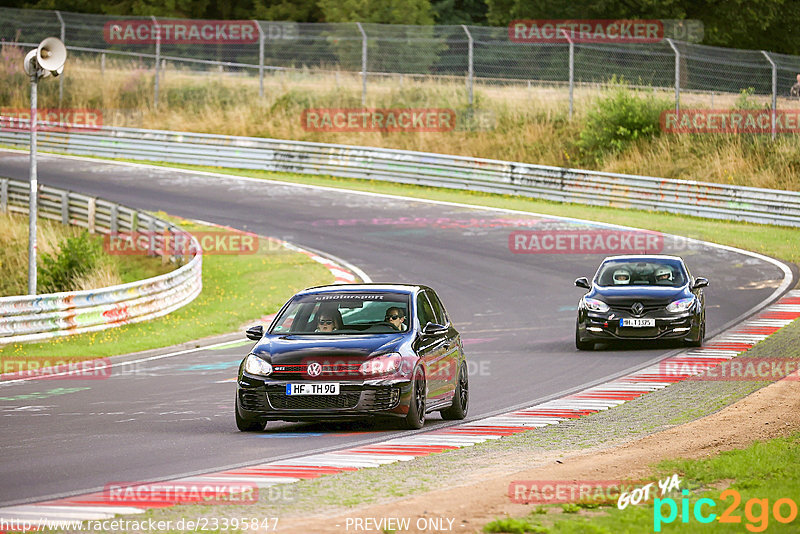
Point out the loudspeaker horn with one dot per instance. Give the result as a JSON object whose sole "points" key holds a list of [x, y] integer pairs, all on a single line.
{"points": [[51, 55]]}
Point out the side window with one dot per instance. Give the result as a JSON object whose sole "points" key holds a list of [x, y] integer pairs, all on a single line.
{"points": [[438, 309], [424, 311]]}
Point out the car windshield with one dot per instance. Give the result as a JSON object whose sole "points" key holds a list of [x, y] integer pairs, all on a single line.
{"points": [[651, 272], [344, 313]]}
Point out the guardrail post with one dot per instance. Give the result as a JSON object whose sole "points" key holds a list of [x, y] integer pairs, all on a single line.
{"points": [[151, 232], [114, 228], [4, 195], [260, 59], [61, 77], [469, 62], [91, 208], [363, 65], [774, 90], [134, 221], [65, 207], [157, 28], [677, 75]]}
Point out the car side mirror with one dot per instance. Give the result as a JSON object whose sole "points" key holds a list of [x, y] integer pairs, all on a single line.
{"points": [[700, 282], [433, 329], [255, 332], [583, 282]]}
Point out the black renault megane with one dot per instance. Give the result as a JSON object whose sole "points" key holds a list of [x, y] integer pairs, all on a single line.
{"points": [[641, 298], [353, 351]]}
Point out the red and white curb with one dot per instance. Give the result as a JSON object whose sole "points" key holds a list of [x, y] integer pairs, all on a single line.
{"points": [[591, 400]]}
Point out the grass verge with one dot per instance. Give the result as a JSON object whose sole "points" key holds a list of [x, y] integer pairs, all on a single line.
{"points": [[236, 288], [741, 488]]}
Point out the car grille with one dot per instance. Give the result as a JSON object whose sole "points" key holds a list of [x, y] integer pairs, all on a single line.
{"points": [[329, 370], [381, 398], [253, 401], [626, 308], [345, 400], [638, 332]]}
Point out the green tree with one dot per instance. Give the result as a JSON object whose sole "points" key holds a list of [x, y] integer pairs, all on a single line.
{"points": [[379, 11]]}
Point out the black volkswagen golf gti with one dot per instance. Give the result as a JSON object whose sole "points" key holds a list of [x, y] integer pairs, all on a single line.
{"points": [[343, 352], [641, 297]]}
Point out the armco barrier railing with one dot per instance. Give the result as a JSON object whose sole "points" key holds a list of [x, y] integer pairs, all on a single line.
{"points": [[29, 318], [717, 201]]}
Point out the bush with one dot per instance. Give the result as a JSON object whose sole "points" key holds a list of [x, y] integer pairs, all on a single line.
{"points": [[617, 120], [78, 256]]}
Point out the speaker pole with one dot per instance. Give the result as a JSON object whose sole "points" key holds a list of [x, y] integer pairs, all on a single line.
{"points": [[34, 191]]}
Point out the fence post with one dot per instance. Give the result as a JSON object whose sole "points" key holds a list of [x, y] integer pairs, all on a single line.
{"points": [[677, 75], [363, 65], [774, 90], [157, 28], [470, 63], [61, 78], [571, 69], [260, 59], [103, 65]]}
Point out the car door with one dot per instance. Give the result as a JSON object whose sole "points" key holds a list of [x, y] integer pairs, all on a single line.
{"points": [[451, 358], [431, 349]]}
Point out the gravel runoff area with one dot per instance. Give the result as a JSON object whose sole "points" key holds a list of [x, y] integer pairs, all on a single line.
{"points": [[319, 505]]}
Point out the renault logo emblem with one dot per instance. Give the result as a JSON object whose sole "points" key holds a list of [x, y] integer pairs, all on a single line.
{"points": [[314, 369], [637, 308]]}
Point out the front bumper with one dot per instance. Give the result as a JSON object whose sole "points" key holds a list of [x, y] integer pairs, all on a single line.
{"points": [[595, 326], [266, 400]]}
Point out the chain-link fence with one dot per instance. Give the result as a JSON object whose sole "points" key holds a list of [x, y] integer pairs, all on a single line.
{"points": [[372, 52]]}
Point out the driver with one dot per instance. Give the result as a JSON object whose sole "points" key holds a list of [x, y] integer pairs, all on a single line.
{"points": [[396, 317], [325, 323], [663, 276], [622, 277]]}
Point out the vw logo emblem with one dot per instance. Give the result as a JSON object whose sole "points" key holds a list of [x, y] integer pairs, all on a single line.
{"points": [[314, 369], [637, 308]]}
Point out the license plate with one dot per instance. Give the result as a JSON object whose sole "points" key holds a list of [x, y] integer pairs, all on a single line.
{"points": [[312, 389], [637, 323]]}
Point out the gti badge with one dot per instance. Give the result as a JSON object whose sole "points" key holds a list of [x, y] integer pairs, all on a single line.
{"points": [[314, 369], [637, 308]]}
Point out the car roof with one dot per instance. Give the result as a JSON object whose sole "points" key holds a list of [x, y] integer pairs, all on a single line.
{"points": [[643, 257], [337, 288]]}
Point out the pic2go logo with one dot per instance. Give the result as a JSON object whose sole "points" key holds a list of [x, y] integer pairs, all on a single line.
{"points": [[756, 511]]}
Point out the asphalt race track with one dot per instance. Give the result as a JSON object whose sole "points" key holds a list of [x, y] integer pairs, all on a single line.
{"points": [[162, 418]]}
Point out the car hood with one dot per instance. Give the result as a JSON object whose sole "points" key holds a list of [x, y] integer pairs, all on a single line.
{"points": [[629, 294], [295, 349]]}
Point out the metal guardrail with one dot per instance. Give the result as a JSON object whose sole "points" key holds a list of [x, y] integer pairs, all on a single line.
{"points": [[716, 201], [35, 317]]}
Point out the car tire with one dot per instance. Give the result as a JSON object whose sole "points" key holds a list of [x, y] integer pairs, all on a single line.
{"points": [[415, 418], [700, 336], [248, 425], [582, 345], [458, 410]]}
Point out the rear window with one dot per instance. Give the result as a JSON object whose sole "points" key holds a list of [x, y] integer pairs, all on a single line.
{"points": [[632, 272], [341, 313]]}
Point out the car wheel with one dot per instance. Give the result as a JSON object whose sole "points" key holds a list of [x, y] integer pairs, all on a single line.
{"points": [[458, 410], [247, 425], [582, 345], [416, 408], [700, 336]]}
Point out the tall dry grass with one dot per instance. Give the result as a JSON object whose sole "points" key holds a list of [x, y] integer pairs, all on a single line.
{"points": [[530, 124]]}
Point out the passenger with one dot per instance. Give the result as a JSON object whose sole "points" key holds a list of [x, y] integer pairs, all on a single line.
{"points": [[664, 276], [396, 317], [326, 323], [622, 277]]}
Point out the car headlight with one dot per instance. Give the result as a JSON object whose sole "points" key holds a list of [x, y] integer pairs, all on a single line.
{"points": [[595, 305], [256, 366], [680, 305], [385, 364]]}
